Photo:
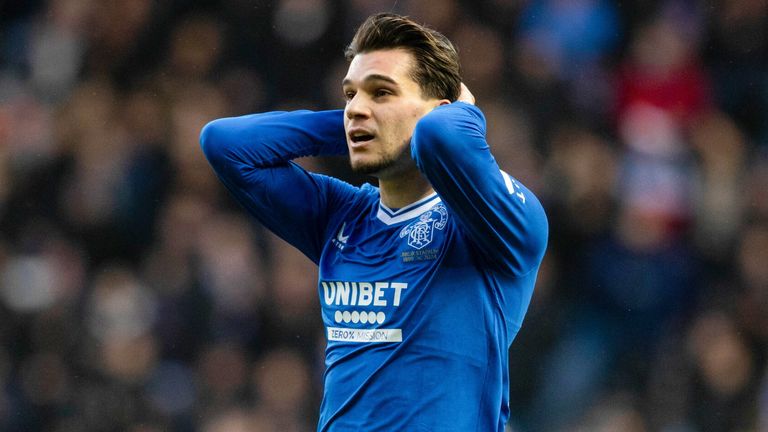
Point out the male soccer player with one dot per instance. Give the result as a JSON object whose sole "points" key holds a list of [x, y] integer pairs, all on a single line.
{"points": [[425, 279]]}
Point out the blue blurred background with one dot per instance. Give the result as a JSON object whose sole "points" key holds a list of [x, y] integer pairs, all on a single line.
{"points": [[136, 296]]}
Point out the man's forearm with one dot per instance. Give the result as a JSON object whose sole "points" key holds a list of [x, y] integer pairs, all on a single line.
{"points": [[263, 140], [251, 156], [501, 216]]}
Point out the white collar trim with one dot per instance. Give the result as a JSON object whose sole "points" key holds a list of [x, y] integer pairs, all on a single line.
{"points": [[391, 217]]}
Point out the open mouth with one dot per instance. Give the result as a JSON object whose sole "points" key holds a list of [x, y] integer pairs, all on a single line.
{"points": [[360, 138]]}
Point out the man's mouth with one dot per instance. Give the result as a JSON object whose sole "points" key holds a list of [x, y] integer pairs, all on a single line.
{"points": [[358, 138]]}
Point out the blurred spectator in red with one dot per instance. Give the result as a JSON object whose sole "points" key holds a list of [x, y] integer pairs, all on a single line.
{"points": [[662, 70]]}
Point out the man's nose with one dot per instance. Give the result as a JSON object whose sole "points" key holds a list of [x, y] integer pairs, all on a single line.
{"points": [[357, 107]]}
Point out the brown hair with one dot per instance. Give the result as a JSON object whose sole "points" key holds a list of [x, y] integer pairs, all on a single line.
{"points": [[436, 67]]}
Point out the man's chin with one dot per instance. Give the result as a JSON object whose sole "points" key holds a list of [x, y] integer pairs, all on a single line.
{"points": [[378, 165], [370, 167]]}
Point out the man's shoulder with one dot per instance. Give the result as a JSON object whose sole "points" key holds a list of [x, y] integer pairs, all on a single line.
{"points": [[369, 190], [343, 195]]}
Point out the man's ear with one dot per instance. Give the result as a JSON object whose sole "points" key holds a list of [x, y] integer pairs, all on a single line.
{"points": [[443, 102]]}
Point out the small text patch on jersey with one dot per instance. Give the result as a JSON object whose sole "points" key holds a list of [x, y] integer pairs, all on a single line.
{"points": [[364, 335]]}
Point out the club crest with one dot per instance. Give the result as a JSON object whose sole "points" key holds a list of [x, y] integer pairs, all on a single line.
{"points": [[420, 232]]}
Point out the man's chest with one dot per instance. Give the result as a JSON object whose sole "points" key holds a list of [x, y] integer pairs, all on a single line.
{"points": [[365, 245], [373, 275]]}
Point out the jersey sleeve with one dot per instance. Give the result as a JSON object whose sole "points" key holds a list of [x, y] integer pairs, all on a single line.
{"points": [[500, 216], [252, 156]]}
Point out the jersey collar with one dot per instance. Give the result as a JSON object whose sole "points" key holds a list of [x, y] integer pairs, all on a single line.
{"points": [[391, 217]]}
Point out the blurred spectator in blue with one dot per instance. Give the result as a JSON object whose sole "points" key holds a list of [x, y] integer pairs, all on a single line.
{"points": [[571, 36], [635, 283], [569, 42]]}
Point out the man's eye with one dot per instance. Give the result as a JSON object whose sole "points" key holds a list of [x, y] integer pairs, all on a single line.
{"points": [[348, 95], [382, 92]]}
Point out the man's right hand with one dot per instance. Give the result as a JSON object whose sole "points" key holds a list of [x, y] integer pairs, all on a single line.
{"points": [[466, 95]]}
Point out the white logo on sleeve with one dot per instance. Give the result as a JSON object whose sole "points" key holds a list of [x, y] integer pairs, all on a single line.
{"points": [[513, 187]]}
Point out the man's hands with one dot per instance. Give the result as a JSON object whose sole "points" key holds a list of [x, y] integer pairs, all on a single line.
{"points": [[466, 95]]}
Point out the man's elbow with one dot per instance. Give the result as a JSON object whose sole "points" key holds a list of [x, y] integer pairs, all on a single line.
{"points": [[219, 140], [211, 139]]}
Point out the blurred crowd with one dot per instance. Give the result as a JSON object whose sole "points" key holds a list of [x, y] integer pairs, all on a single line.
{"points": [[136, 296]]}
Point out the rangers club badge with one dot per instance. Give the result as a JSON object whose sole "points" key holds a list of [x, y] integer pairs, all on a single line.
{"points": [[420, 232]]}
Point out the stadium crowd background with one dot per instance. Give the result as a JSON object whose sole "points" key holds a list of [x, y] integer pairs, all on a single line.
{"points": [[136, 296]]}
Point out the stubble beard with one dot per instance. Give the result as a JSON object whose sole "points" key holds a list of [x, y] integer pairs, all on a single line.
{"points": [[387, 164], [373, 167]]}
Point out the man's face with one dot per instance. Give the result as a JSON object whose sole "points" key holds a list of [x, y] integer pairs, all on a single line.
{"points": [[383, 105]]}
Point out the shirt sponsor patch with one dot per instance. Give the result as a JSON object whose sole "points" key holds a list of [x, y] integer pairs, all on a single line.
{"points": [[364, 335]]}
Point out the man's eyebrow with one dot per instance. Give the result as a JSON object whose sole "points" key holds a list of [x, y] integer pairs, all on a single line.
{"points": [[372, 77]]}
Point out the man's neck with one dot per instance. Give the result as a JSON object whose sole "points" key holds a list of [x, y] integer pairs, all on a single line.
{"points": [[405, 189]]}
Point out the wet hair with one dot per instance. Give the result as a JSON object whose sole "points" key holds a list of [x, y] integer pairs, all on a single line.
{"points": [[436, 66]]}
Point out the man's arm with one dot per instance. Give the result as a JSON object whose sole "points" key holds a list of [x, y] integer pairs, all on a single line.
{"points": [[500, 216], [251, 156]]}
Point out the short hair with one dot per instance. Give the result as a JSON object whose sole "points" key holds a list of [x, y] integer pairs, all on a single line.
{"points": [[436, 70]]}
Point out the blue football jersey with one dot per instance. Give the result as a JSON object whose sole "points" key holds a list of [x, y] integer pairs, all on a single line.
{"points": [[420, 304]]}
